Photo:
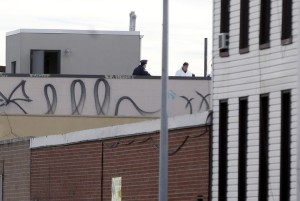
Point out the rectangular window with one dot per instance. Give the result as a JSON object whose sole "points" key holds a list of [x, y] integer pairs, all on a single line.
{"points": [[223, 138], [224, 27], [286, 26], [244, 26], [285, 170], [13, 67], [243, 124], [264, 35], [263, 148]]}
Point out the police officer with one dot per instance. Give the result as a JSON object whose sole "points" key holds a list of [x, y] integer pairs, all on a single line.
{"points": [[141, 69]]}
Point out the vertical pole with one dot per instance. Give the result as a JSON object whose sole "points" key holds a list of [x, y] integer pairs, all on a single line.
{"points": [[132, 18], [205, 57], [163, 148]]}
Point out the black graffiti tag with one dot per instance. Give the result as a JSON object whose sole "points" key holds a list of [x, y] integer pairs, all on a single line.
{"points": [[6, 101]]}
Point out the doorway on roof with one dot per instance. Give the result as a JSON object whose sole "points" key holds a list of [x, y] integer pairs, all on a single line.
{"points": [[45, 61]]}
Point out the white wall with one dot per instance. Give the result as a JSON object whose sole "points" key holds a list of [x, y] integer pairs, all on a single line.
{"points": [[117, 96], [92, 52]]}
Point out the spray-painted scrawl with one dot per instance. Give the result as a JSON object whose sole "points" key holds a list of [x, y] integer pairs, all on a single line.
{"points": [[12, 99], [102, 102]]}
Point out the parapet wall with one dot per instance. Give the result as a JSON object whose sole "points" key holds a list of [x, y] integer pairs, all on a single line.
{"points": [[101, 95]]}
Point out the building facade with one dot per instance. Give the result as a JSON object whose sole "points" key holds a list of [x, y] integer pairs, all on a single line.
{"points": [[98, 164], [255, 100], [122, 162], [62, 104], [84, 52]]}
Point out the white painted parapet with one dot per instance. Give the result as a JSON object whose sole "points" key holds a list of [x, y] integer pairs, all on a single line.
{"points": [[100, 95]]}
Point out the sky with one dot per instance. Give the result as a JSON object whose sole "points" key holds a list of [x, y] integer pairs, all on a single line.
{"points": [[190, 22]]}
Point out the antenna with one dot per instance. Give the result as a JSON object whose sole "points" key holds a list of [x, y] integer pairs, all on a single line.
{"points": [[205, 57], [132, 16]]}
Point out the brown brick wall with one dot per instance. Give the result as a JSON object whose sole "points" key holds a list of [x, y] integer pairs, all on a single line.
{"points": [[74, 172], [66, 172], [15, 168]]}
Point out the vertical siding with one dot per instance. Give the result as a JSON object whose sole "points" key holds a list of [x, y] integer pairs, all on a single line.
{"points": [[251, 74]]}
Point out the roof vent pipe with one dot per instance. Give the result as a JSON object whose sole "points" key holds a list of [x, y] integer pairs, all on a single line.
{"points": [[132, 16]]}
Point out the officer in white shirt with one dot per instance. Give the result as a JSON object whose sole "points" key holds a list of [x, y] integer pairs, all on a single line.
{"points": [[183, 71]]}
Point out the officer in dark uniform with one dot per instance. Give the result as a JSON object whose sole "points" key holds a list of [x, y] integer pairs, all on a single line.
{"points": [[141, 69]]}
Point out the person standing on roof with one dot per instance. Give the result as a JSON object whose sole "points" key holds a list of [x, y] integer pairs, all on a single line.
{"points": [[183, 71], [141, 69]]}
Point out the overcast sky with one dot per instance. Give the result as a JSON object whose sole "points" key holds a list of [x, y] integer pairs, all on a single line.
{"points": [[190, 21]]}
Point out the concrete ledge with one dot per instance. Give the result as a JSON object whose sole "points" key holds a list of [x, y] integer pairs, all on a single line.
{"points": [[15, 140], [121, 130], [68, 31]]}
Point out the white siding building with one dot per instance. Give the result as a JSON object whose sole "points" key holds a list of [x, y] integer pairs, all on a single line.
{"points": [[255, 100]]}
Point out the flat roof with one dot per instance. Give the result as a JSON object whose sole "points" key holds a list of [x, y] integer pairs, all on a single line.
{"points": [[69, 31]]}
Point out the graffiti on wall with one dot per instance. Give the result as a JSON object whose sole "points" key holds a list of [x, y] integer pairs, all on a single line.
{"points": [[101, 108], [12, 99]]}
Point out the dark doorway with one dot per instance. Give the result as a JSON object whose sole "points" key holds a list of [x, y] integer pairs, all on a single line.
{"points": [[45, 62]]}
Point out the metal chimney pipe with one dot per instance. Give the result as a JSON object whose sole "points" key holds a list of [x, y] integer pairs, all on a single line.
{"points": [[132, 17]]}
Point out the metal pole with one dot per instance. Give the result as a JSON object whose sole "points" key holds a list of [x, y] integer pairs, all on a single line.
{"points": [[163, 148], [205, 57]]}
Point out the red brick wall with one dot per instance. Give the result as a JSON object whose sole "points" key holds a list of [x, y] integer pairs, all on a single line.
{"points": [[74, 172], [63, 173], [15, 168]]}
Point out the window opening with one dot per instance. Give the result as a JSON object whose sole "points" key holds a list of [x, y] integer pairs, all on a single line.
{"points": [[223, 140], [263, 148]]}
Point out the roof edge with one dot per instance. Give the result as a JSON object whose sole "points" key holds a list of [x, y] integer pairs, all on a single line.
{"points": [[70, 31], [120, 130]]}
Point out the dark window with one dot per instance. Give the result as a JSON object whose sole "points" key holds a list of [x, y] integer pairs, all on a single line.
{"points": [[264, 35], [285, 146], [13, 67], [223, 119], [244, 26], [224, 26], [286, 27], [263, 148], [2, 69], [243, 119]]}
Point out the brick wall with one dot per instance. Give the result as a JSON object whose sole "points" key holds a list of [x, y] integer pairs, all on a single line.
{"points": [[15, 168], [84, 171], [66, 172]]}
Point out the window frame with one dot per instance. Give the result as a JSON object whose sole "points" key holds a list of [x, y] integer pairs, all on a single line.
{"points": [[265, 22], [286, 22], [243, 146], [223, 149], [263, 183], [244, 26], [285, 152]]}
